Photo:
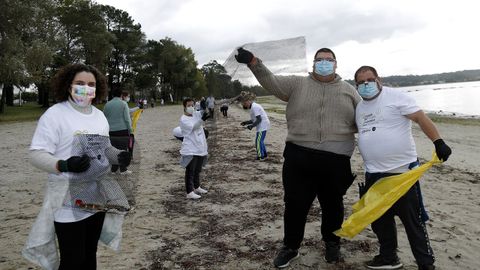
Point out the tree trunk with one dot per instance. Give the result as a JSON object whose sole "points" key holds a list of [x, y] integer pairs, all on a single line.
{"points": [[2, 101], [8, 89]]}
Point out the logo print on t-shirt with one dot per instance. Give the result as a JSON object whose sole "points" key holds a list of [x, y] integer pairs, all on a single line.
{"points": [[374, 128]]}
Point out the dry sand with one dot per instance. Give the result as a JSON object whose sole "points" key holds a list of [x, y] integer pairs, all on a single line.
{"points": [[238, 224]]}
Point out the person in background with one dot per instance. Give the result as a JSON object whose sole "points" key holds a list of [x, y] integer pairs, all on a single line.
{"points": [[224, 109], [259, 120], [118, 115], [384, 120], [203, 105], [211, 105], [321, 126], [59, 132], [194, 148]]}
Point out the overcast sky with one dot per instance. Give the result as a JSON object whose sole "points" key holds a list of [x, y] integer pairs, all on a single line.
{"points": [[398, 37]]}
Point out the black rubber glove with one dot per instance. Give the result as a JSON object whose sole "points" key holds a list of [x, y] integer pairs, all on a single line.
{"points": [[361, 189], [124, 158], [74, 164], [205, 116], [442, 149], [244, 56], [244, 123], [250, 127]]}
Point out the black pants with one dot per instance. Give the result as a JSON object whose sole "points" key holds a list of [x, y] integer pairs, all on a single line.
{"points": [[192, 173], [120, 144], [408, 209], [224, 111], [309, 174], [211, 111], [78, 242]]}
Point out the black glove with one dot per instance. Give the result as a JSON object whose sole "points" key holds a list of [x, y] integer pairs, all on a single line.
{"points": [[442, 149], [244, 123], [361, 189], [124, 158], [250, 127], [74, 164], [205, 116], [244, 56]]}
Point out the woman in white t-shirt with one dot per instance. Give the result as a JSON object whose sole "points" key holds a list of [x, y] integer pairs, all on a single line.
{"points": [[71, 143], [194, 148], [258, 119]]}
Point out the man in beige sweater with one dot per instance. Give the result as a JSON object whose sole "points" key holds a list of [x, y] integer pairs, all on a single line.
{"points": [[321, 125]]}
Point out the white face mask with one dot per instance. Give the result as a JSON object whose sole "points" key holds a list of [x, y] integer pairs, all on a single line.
{"points": [[189, 110], [127, 99], [83, 95]]}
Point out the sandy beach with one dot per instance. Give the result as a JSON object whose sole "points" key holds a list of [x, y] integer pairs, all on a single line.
{"points": [[239, 223]]}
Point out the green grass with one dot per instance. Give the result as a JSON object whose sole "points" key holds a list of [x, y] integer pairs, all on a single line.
{"points": [[454, 120], [30, 111]]}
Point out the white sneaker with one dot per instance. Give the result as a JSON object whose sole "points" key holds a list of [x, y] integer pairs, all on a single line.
{"points": [[201, 190], [192, 195], [126, 172]]}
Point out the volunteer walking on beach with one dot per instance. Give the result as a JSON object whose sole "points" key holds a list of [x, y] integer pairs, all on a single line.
{"points": [[194, 148], [259, 120], [118, 116], [321, 125], [387, 147], [71, 144]]}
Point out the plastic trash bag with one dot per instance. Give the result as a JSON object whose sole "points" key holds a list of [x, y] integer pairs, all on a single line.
{"points": [[380, 197], [135, 116]]}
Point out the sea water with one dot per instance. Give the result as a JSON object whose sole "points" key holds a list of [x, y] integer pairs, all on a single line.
{"points": [[458, 99]]}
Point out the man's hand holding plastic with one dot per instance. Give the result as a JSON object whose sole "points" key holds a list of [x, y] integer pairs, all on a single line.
{"points": [[442, 150], [244, 56]]}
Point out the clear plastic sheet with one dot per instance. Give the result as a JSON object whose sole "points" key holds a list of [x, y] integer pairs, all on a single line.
{"points": [[282, 57]]}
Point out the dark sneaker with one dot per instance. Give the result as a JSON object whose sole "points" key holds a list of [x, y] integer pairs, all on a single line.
{"points": [[379, 262], [426, 267], [332, 252], [285, 256]]}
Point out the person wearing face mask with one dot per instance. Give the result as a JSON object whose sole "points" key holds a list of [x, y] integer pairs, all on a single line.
{"points": [[387, 147], [321, 125], [194, 148], [71, 144], [118, 115], [258, 119]]}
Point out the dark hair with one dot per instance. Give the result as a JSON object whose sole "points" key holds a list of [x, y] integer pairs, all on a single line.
{"points": [[185, 101], [365, 69], [62, 81], [125, 94], [325, 50]]}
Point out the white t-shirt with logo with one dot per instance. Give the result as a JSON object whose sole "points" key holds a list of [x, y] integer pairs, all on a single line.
{"points": [[55, 132], [385, 136], [255, 110], [194, 141]]}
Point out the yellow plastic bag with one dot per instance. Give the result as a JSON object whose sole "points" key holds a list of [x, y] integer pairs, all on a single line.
{"points": [[135, 116], [380, 197]]}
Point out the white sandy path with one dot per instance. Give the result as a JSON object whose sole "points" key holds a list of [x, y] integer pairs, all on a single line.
{"points": [[452, 196]]}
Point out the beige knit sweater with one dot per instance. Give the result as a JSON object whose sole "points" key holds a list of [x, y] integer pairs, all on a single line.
{"points": [[316, 112]]}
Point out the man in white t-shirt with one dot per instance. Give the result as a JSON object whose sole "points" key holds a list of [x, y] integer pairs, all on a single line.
{"points": [[258, 119], [387, 147]]}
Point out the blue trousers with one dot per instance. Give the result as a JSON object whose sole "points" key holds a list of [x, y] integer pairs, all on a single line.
{"points": [[260, 144]]}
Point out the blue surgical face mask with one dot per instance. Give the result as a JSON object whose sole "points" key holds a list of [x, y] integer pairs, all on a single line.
{"points": [[324, 68], [368, 90]]}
